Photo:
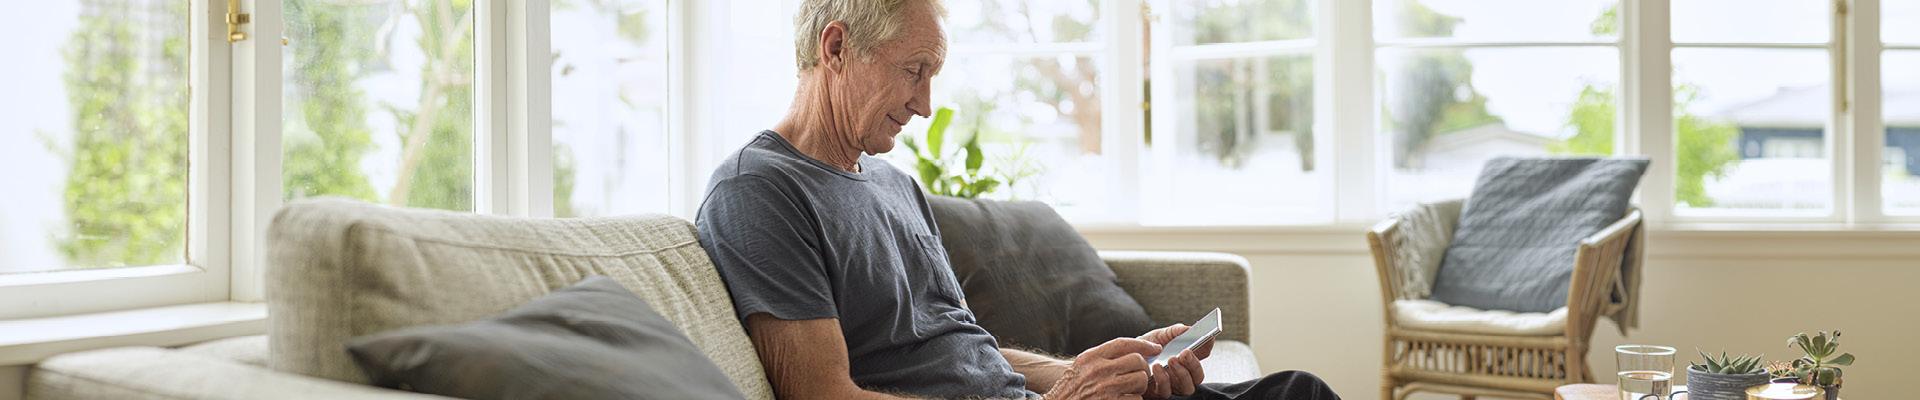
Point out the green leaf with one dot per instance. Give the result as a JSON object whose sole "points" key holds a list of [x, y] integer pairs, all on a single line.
{"points": [[956, 186], [974, 156], [929, 174], [985, 185], [1843, 359], [937, 131]]}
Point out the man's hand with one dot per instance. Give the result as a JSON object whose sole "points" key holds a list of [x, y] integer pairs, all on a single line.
{"points": [[1116, 369], [1183, 374]]}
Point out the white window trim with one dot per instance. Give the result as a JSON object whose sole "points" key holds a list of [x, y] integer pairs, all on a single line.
{"points": [[208, 273], [1164, 154], [513, 139]]}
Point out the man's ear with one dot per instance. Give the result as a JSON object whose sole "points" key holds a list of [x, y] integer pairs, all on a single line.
{"points": [[833, 46]]}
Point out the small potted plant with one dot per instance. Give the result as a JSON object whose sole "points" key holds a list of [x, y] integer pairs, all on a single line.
{"points": [[1820, 367], [1724, 378]]}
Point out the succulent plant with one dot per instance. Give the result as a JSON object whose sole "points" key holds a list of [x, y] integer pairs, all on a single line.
{"points": [[1819, 367], [1729, 365]]}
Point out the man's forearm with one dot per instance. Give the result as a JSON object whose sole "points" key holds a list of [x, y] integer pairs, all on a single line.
{"points": [[1041, 371]]}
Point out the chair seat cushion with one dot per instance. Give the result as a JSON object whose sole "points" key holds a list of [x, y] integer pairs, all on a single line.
{"points": [[1436, 316]]}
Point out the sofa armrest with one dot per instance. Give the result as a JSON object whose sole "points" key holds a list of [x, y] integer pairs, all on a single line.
{"points": [[1181, 287], [157, 373]]}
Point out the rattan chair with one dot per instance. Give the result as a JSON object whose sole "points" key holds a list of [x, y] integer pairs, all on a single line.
{"points": [[1482, 364]]}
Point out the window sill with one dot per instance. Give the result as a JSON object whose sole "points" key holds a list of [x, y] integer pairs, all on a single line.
{"points": [[1670, 240], [27, 341]]}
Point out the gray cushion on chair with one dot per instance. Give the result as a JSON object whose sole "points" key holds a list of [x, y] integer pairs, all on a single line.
{"points": [[592, 340], [1030, 279], [1514, 247]]}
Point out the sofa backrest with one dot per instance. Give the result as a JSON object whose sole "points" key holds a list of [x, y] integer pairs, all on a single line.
{"points": [[340, 269]]}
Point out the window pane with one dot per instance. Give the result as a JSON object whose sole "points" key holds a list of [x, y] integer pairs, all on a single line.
{"points": [[1038, 120], [1231, 21], [1755, 21], [1750, 129], [93, 132], [1896, 21], [1900, 171], [378, 102], [1497, 20], [1244, 148], [610, 107], [1446, 112], [1014, 21]]}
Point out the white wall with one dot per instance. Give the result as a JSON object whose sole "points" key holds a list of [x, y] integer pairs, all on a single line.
{"points": [[1316, 300]]}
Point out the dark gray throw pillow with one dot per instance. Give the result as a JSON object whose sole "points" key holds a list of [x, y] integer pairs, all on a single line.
{"points": [[1030, 279], [1513, 249], [592, 340]]}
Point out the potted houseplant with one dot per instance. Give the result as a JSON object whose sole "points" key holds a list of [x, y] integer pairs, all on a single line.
{"points": [[1819, 367], [962, 174], [1724, 378]]}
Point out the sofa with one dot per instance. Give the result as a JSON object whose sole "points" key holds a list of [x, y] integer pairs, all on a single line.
{"points": [[340, 269]]}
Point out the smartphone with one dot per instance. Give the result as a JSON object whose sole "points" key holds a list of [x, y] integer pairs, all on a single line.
{"points": [[1202, 331]]}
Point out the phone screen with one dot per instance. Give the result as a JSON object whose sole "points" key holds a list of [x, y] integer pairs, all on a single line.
{"points": [[1202, 331]]}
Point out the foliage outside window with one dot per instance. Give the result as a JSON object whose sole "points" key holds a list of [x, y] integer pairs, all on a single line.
{"points": [[96, 135]]}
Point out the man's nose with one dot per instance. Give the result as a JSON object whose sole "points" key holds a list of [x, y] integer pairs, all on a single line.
{"points": [[922, 103]]}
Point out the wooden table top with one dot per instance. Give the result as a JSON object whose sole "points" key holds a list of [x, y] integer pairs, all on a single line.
{"points": [[1590, 391]]}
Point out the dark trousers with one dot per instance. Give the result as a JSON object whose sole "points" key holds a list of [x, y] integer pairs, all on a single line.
{"points": [[1287, 385]]}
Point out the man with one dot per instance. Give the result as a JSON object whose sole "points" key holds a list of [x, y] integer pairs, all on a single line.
{"points": [[834, 262]]}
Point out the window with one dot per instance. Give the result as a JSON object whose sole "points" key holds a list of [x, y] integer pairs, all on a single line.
{"points": [[1238, 139], [1900, 106], [609, 89], [1026, 79], [1463, 82], [96, 135], [378, 101], [1753, 100]]}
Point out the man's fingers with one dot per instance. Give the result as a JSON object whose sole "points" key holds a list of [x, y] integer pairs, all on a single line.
{"points": [[1133, 362], [1121, 346], [1194, 368], [1205, 349], [1125, 364], [1161, 387], [1134, 382], [1175, 330], [1180, 380]]}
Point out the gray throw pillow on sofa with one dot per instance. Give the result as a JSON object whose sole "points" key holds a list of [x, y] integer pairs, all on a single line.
{"points": [[1513, 248], [1030, 279], [592, 340]]}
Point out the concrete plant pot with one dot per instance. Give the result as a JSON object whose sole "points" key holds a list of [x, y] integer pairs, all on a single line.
{"points": [[1711, 386]]}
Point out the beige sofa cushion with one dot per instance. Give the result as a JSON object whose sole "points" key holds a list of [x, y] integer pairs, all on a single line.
{"points": [[340, 269]]}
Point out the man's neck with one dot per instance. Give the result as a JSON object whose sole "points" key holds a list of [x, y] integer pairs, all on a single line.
{"points": [[811, 127]]}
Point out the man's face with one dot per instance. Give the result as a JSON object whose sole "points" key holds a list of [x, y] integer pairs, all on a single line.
{"points": [[878, 95]]}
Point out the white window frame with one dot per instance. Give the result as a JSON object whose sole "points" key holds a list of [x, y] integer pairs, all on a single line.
{"points": [[210, 244], [1621, 135], [1321, 47]]}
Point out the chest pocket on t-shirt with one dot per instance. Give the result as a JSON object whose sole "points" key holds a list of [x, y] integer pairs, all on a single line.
{"points": [[934, 273]]}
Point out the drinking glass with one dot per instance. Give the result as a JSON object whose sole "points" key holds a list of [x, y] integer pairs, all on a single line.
{"points": [[1646, 372]]}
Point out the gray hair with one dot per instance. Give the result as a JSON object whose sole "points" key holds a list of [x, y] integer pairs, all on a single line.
{"points": [[869, 22]]}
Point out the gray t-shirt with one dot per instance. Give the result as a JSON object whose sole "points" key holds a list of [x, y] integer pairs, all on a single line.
{"points": [[798, 239]]}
